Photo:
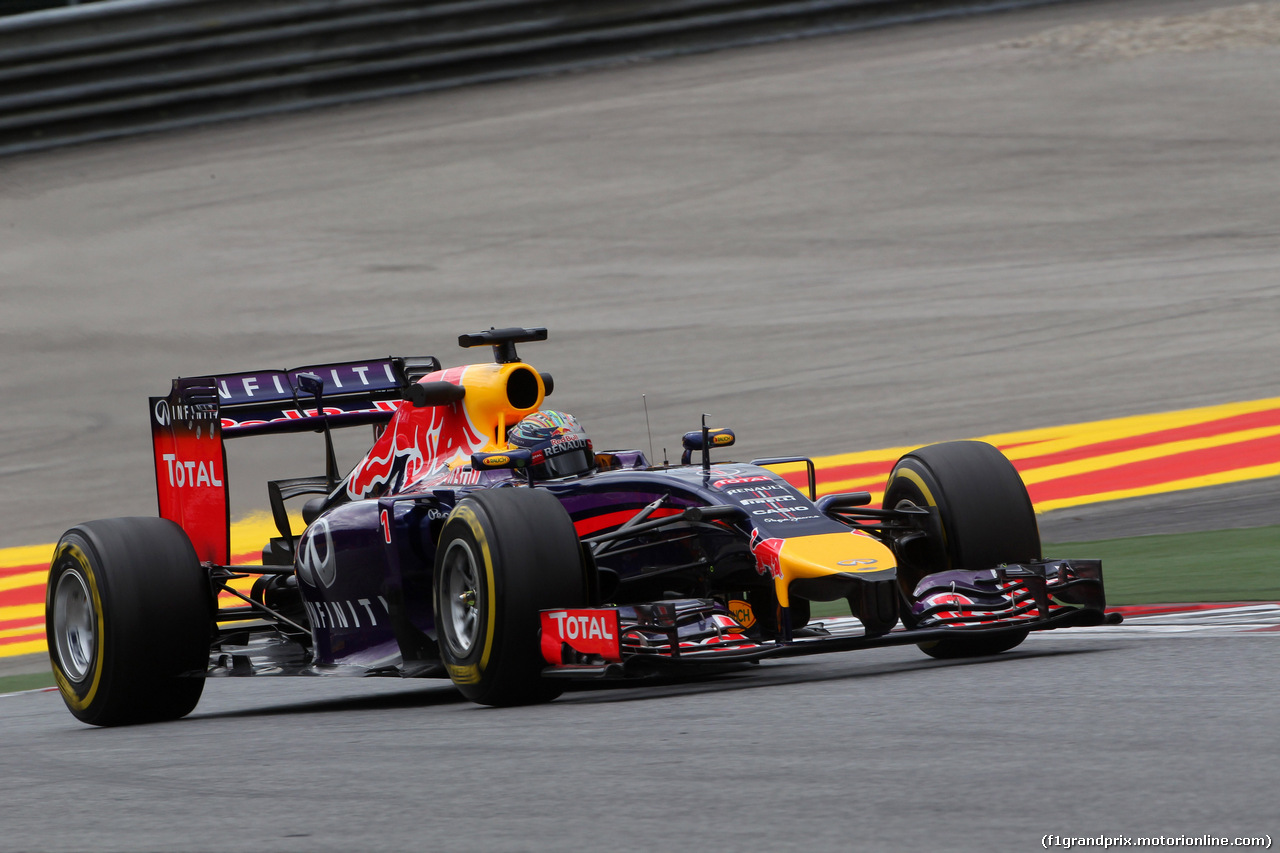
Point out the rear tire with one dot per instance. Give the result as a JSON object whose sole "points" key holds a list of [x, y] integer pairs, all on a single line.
{"points": [[981, 517], [129, 618], [503, 556]]}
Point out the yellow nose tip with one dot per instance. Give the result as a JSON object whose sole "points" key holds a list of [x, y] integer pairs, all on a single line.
{"points": [[826, 554]]}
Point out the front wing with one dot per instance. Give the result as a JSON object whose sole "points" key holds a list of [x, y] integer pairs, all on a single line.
{"points": [[646, 639]]}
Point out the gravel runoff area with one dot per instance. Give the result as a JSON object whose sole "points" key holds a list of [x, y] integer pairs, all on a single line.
{"points": [[1251, 26]]}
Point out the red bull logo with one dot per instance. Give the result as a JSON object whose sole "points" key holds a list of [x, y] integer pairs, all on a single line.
{"points": [[418, 442], [768, 554], [393, 460]]}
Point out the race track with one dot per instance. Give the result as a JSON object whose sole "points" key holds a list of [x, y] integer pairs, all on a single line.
{"points": [[860, 242], [882, 751]]}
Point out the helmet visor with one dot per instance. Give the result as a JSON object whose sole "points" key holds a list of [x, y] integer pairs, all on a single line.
{"points": [[566, 464]]}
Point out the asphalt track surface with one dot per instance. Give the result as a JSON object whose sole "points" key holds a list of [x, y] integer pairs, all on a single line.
{"points": [[867, 241], [885, 750]]}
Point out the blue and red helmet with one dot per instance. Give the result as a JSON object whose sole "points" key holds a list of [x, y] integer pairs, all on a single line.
{"points": [[558, 442]]}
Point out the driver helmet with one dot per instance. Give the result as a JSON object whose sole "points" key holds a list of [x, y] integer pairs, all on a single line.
{"points": [[559, 444]]}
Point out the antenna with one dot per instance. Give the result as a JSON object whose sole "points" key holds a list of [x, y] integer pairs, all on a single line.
{"points": [[706, 440], [644, 399]]}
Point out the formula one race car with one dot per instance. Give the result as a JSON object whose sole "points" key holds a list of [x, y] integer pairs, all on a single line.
{"points": [[484, 539]]}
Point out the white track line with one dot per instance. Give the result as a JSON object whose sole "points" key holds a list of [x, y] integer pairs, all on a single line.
{"points": [[1262, 618]]}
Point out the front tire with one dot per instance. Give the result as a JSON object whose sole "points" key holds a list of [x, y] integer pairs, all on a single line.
{"points": [[128, 616], [980, 517], [504, 556]]}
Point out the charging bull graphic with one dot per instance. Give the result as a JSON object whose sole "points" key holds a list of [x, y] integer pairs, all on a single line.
{"points": [[418, 442]]}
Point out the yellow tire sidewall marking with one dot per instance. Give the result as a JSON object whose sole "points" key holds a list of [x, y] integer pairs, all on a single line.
{"points": [[914, 477], [65, 685], [472, 673]]}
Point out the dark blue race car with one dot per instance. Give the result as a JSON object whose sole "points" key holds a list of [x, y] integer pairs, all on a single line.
{"points": [[485, 539]]}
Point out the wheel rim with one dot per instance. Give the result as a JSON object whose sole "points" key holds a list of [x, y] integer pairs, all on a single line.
{"points": [[74, 627], [463, 590]]}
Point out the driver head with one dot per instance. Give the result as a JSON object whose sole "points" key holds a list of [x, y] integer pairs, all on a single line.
{"points": [[559, 444]]}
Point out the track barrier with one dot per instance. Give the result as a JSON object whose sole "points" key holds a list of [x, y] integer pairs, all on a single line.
{"points": [[114, 68]]}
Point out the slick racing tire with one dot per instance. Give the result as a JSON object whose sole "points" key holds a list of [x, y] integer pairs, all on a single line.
{"points": [[503, 556], [129, 618], [980, 517]]}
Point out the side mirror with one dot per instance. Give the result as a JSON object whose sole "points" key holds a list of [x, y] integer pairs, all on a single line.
{"points": [[721, 437], [514, 459], [309, 383], [844, 500]]}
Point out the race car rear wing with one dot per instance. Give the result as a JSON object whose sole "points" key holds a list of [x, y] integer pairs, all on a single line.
{"points": [[354, 393], [188, 427]]}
